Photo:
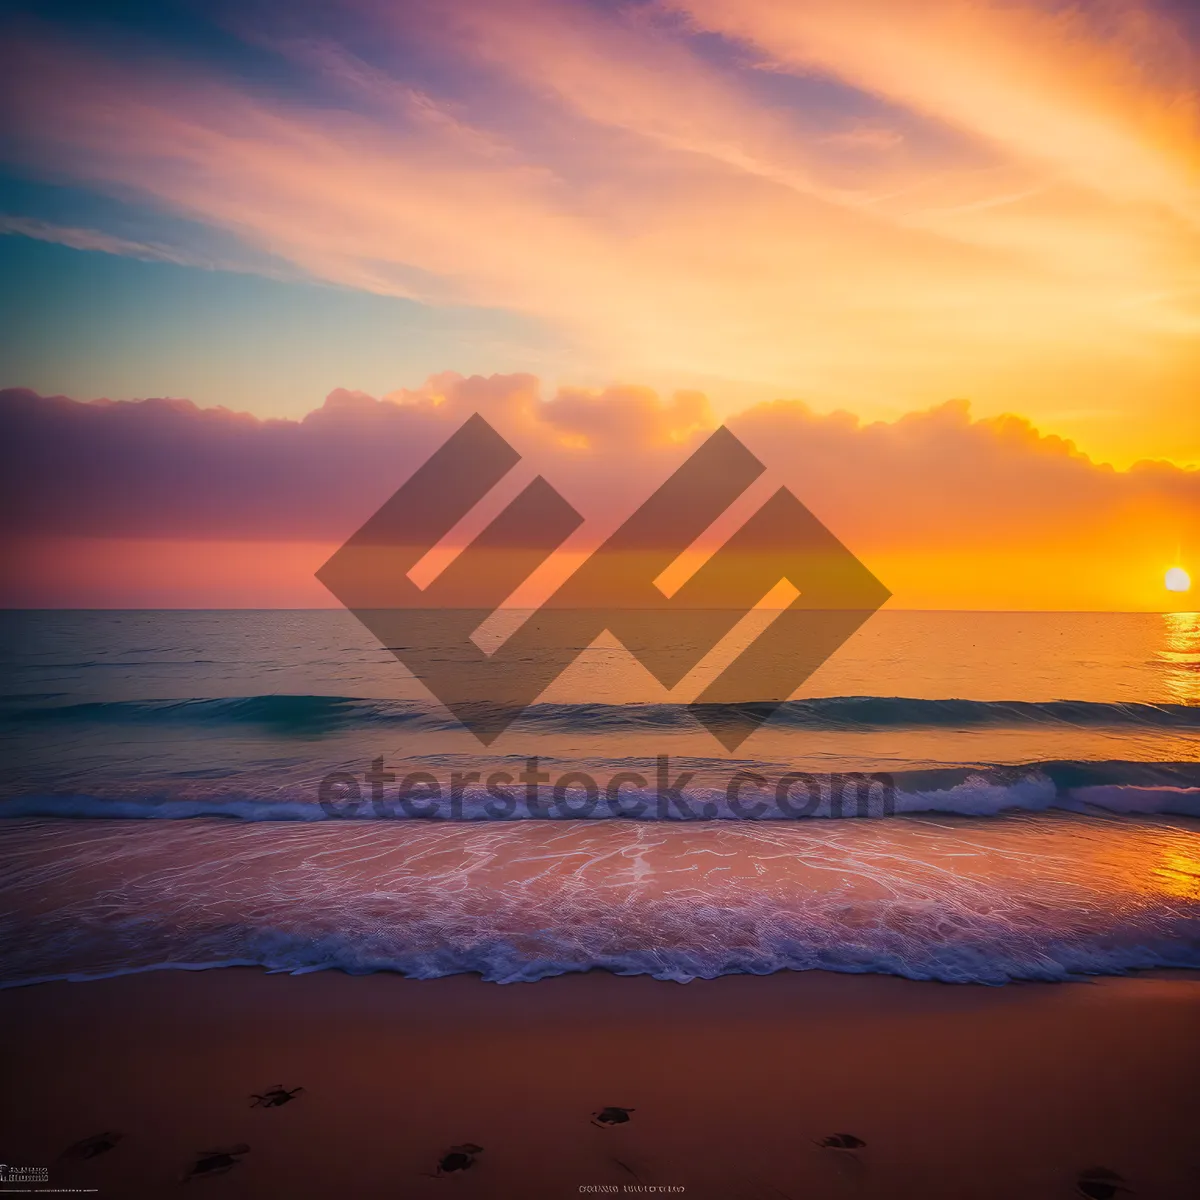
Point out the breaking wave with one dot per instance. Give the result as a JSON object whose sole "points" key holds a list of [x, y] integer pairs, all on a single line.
{"points": [[1116, 787], [306, 714], [1038, 896]]}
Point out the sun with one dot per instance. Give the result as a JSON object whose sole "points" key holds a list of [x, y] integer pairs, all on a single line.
{"points": [[1178, 580]]}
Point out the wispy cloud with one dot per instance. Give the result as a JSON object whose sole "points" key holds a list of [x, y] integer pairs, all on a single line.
{"points": [[869, 204], [94, 239], [1102, 94], [78, 238]]}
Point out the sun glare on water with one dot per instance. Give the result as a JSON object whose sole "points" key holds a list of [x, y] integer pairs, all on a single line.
{"points": [[1178, 580]]}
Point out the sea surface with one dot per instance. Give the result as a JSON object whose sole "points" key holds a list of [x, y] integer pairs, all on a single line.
{"points": [[955, 796]]}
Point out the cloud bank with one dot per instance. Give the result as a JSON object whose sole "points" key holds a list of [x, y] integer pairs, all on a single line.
{"points": [[938, 503]]}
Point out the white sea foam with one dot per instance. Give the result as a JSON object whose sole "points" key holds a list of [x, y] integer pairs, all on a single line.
{"points": [[1024, 896]]}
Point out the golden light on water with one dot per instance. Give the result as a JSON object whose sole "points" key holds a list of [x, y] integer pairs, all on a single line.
{"points": [[1180, 655], [1178, 874], [1177, 580]]}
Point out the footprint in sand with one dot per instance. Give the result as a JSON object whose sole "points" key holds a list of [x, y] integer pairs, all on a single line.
{"points": [[841, 1141], [612, 1115], [458, 1158], [1099, 1183], [100, 1143], [842, 1152], [274, 1096], [215, 1162]]}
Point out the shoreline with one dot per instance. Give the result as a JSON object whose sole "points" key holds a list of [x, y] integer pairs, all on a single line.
{"points": [[1133, 973], [958, 1090]]}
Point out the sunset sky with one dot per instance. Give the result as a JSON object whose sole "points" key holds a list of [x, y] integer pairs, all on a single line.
{"points": [[937, 262]]}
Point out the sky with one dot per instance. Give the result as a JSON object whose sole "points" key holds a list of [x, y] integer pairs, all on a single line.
{"points": [[948, 250]]}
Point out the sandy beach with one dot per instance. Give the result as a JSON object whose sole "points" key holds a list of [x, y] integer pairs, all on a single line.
{"points": [[957, 1091]]}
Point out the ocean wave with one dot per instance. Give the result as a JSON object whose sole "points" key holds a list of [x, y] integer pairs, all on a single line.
{"points": [[1169, 789], [308, 713], [501, 962], [1042, 897]]}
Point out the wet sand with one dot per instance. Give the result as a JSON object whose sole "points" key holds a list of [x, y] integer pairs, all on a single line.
{"points": [[958, 1091]]}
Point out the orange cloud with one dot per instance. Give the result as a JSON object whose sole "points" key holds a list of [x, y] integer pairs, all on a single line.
{"points": [[161, 502], [1006, 205]]}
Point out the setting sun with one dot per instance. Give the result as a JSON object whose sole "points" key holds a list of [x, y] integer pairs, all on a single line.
{"points": [[1178, 580]]}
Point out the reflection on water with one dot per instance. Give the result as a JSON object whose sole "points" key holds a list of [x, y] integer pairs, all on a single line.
{"points": [[1178, 874], [1180, 656]]}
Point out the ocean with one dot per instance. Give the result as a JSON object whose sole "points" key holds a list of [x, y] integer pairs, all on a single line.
{"points": [[966, 797]]}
